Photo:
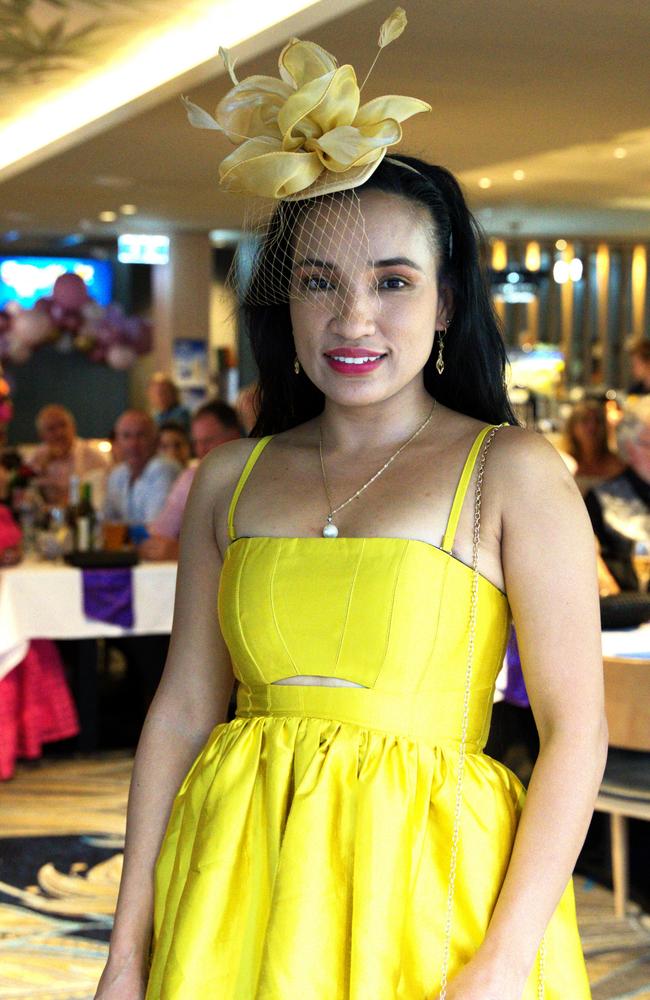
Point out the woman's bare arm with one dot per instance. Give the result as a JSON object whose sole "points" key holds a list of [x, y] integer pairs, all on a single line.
{"points": [[550, 571], [192, 698]]}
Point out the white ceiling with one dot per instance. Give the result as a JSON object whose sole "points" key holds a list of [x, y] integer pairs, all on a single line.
{"points": [[551, 88]]}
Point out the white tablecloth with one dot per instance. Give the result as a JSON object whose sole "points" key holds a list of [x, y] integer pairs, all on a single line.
{"points": [[41, 600], [633, 642]]}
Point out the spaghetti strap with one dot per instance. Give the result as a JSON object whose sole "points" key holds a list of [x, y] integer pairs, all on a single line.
{"points": [[245, 473], [461, 489]]}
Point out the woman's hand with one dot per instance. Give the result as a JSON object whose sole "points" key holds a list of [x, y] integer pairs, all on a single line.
{"points": [[487, 979], [124, 981]]}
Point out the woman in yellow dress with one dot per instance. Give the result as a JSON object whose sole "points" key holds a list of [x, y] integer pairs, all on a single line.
{"points": [[355, 567]]}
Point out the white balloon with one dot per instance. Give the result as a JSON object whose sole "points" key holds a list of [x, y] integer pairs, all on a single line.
{"points": [[120, 357], [31, 327], [17, 350]]}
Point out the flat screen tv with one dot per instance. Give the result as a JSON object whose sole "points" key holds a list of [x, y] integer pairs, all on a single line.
{"points": [[27, 279]]}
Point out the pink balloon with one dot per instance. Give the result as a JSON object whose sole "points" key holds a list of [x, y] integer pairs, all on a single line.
{"points": [[44, 305], [70, 291], [57, 312], [106, 334], [120, 357]]}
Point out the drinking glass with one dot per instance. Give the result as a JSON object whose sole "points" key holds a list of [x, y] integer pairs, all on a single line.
{"points": [[641, 563]]}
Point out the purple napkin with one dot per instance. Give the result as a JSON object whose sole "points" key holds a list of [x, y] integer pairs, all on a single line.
{"points": [[108, 595], [515, 691]]}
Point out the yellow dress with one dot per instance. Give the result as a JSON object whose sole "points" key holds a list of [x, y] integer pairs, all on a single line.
{"points": [[308, 852]]}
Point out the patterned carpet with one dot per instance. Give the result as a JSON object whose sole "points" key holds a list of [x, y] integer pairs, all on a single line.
{"points": [[60, 861]]}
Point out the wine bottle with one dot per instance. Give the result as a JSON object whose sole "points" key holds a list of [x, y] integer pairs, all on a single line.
{"points": [[85, 521], [74, 496]]}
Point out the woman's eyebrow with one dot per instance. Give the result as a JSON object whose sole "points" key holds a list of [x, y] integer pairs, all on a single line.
{"points": [[386, 262], [394, 262]]}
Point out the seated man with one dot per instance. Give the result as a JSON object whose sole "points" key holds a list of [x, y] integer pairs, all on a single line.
{"points": [[62, 454], [212, 425], [138, 487]]}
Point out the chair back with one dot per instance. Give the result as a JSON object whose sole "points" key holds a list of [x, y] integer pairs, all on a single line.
{"points": [[627, 702]]}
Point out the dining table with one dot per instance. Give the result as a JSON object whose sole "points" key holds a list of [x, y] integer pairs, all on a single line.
{"points": [[44, 599]]}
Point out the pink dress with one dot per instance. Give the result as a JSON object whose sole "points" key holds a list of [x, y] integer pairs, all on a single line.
{"points": [[36, 705]]}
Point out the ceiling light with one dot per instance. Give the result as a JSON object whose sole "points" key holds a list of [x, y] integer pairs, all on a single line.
{"points": [[561, 272], [620, 153], [518, 175], [107, 216], [173, 50], [560, 244], [129, 209], [485, 183], [575, 269], [224, 237], [533, 260]]}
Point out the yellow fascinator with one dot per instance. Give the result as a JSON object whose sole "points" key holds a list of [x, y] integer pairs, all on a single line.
{"points": [[306, 133]]}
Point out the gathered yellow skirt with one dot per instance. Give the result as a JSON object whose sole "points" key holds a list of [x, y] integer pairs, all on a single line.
{"points": [[308, 859]]}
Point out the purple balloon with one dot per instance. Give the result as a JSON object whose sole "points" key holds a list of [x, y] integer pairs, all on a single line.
{"points": [[70, 291]]}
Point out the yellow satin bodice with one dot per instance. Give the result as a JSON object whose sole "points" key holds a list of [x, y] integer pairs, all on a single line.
{"points": [[388, 614]]}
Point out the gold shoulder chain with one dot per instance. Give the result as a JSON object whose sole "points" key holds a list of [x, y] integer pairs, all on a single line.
{"points": [[473, 611]]}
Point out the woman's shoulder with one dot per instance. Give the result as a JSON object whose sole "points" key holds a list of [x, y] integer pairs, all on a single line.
{"points": [[524, 467], [221, 468]]}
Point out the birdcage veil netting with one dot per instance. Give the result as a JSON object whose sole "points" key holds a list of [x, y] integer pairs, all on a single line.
{"points": [[294, 249]]}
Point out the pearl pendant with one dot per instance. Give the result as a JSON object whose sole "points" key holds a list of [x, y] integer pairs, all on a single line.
{"points": [[330, 530]]}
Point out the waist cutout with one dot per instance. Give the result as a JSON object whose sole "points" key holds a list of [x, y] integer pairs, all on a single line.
{"points": [[432, 718]]}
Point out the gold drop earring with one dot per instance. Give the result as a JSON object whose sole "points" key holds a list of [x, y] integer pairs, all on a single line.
{"points": [[296, 365], [440, 363]]}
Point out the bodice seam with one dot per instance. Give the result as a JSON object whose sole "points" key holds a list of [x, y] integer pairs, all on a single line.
{"points": [[249, 652], [278, 630], [389, 628], [347, 611]]}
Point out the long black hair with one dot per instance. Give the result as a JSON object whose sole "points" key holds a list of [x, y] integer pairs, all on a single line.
{"points": [[473, 381]]}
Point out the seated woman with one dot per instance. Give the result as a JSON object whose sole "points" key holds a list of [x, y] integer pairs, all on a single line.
{"points": [[619, 508], [586, 441], [174, 443], [36, 706]]}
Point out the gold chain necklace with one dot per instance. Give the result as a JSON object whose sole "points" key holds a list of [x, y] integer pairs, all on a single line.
{"points": [[329, 529]]}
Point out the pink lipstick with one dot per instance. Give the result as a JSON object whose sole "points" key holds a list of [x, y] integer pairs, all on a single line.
{"points": [[353, 360]]}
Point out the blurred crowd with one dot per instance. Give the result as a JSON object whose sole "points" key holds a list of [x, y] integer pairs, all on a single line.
{"points": [[138, 478]]}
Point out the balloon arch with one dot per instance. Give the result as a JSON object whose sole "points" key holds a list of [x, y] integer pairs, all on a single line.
{"points": [[72, 321]]}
